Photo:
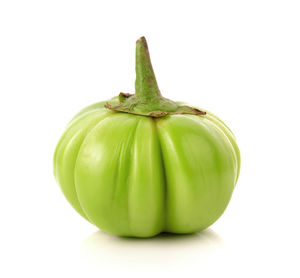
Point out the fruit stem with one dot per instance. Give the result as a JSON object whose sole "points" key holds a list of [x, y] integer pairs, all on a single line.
{"points": [[147, 100], [145, 84]]}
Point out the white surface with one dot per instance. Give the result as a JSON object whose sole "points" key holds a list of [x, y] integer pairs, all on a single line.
{"points": [[238, 59]]}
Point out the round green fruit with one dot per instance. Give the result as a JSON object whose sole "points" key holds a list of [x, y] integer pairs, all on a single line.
{"points": [[139, 165]]}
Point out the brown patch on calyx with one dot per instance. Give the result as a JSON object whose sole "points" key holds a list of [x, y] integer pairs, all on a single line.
{"points": [[125, 95], [198, 112], [107, 105]]}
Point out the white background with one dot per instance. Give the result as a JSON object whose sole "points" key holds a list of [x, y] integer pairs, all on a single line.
{"points": [[238, 59]]}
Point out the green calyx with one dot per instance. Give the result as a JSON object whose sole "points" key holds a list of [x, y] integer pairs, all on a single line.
{"points": [[147, 100]]}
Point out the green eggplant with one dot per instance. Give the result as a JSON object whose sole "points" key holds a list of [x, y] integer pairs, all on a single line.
{"points": [[139, 165]]}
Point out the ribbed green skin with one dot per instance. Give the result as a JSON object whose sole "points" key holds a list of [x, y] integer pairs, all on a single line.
{"points": [[138, 176]]}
